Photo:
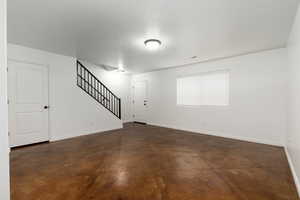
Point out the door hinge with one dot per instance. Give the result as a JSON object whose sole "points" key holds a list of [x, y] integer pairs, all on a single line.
{"points": [[133, 116], [8, 133], [7, 69], [133, 101], [7, 101]]}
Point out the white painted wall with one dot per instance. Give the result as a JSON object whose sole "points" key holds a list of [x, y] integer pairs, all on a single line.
{"points": [[257, 110], [4, 150], [293, 135], [72, 112]]}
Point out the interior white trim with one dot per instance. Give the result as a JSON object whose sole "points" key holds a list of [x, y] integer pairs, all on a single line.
{"points": [[82, 133], [296, 179], [127, 121], [27, 62], [222, 134], [4, 147]]}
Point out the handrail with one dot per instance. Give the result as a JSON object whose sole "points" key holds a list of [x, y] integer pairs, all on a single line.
{"points": [[89, 83]]}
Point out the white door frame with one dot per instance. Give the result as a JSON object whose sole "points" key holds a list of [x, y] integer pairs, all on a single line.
{"points": [[48, 87], [134, 100], [4, 147]]}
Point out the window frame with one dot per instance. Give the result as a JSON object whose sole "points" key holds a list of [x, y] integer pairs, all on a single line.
{"points": [[203, 73]]}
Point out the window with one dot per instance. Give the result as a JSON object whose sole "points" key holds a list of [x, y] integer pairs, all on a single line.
{"points": [[211, 88]]}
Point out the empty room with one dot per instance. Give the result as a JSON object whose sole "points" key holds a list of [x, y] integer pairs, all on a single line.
{"points": [[149, 100]]}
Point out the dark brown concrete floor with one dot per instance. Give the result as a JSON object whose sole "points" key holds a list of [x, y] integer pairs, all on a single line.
{"points": [[150, 163]]}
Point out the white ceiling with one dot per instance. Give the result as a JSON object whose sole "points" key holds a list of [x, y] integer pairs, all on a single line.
{"points": [[112, 32]]}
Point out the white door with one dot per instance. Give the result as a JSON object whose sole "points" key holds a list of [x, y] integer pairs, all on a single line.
{"points": [[28, 103], [140, 101]]}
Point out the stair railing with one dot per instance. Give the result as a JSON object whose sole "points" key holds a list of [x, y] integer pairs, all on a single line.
{"points": [[89, 83]]}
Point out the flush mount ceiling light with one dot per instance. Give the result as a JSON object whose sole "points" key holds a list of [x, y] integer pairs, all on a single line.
{"points": [[121, 68], [152, 44]]}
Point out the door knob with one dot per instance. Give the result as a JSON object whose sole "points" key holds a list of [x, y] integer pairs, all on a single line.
{"points": [[46, 107]]}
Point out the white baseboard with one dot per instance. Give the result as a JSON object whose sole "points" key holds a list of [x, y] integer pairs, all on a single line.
{"points": [[127, 121], [221, 134], [83, 133], [296, 179]]}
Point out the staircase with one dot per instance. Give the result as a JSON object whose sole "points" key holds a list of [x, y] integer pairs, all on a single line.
{"points": [[97, 90]]}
